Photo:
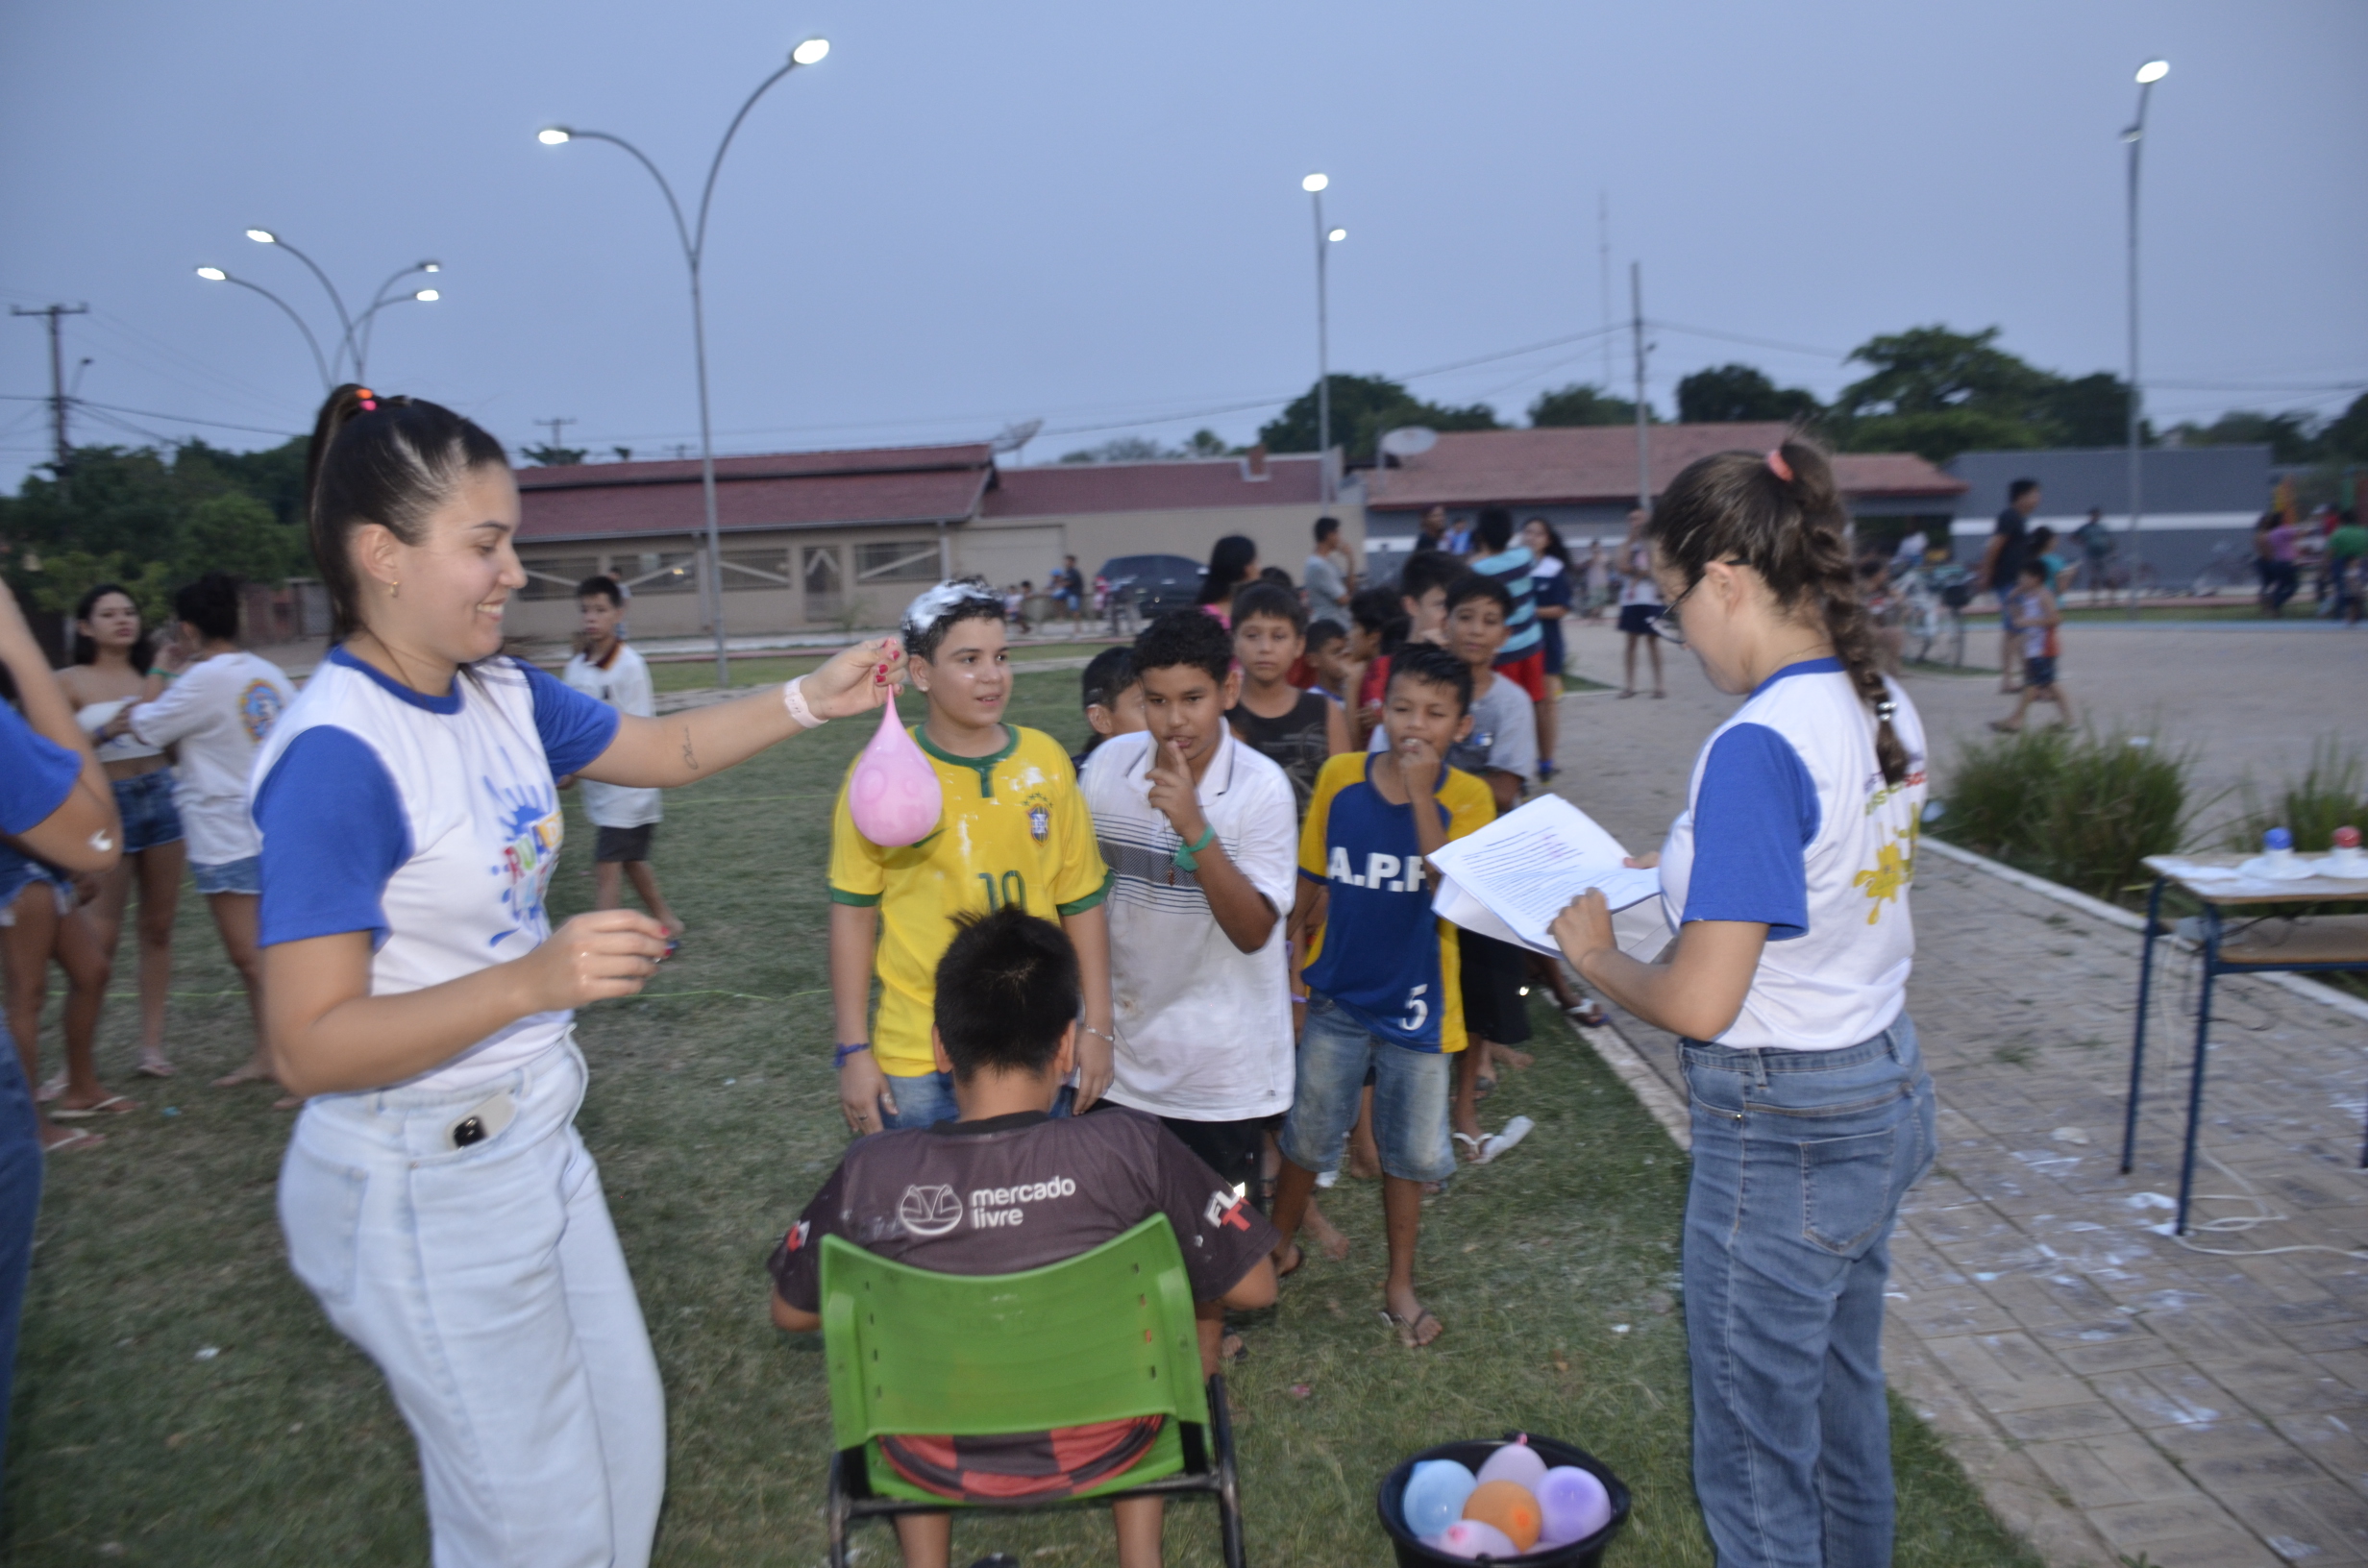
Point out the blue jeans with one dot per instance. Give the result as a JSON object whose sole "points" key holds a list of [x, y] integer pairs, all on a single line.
{"points": [[1409, 1098], [1800, 1159], [20, 1201], [927, 1098]]}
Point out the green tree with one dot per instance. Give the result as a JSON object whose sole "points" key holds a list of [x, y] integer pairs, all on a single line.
{"points": [[2347, 435], [234, 533], [1123, 449], [1940, 392], [1363, 407], [1582, 404], [2289, 437], [1732, 393], [550, 455]]}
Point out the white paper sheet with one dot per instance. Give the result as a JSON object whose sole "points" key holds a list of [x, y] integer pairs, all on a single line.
{"points": [[1513, 877]]}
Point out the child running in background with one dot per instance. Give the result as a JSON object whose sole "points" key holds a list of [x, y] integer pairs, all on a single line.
{"points": [[2036, 619], [1006, 998], [623, 820], [1382, 978], [1014, 830], [1113, 699], [1294, 730]]}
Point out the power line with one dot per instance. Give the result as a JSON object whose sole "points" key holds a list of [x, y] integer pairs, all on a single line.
{"points": [[154, 413]]}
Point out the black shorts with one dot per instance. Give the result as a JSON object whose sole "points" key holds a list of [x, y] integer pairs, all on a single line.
{"points": [[2039, 671], [1233, 1149], [1493, 1006], [1637, 619], [610, 845]]}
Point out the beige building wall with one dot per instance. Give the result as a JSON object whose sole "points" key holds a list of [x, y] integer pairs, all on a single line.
{"points": [[793, 581], [824, 578]]}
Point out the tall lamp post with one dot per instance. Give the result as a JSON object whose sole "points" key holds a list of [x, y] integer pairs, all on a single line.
{"points": [[353, 341], [2148, 74], [694, 239], [1314, 185]]}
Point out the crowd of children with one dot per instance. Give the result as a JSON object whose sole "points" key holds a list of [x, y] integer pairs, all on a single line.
{"points": [[1192, 972]]}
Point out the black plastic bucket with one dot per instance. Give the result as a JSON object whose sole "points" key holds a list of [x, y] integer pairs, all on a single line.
{"points": [[1471, 1456]]}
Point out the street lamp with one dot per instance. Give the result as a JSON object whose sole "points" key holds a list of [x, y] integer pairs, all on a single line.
{"points": [[354, 340], [693, 240], [2148, 74], [1314, 184], [215, 275]]}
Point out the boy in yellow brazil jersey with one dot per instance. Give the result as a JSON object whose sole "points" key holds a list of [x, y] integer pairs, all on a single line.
{"points": [[1014, 830]]}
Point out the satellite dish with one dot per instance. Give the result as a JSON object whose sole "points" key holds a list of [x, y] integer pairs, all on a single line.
{"points": [[1016, 436], [1410, 441]]}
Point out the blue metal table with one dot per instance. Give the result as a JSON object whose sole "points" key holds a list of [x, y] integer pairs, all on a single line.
{"points": [[2328, 943]]}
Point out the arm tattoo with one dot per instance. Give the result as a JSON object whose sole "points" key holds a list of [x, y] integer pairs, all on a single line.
{"points": [[690, 758]]}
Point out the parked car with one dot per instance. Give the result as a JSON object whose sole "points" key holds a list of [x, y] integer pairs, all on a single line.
{"points": [[1154, 584]]}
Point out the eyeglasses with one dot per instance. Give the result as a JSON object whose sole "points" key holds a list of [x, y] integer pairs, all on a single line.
{"points": [[1665, 625]]}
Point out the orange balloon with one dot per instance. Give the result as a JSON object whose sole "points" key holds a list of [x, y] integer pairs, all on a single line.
{"points": [[1508, 1505]]}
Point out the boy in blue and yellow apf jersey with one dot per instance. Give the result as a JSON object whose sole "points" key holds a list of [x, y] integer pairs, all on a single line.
{"points": [[1383, 992]]}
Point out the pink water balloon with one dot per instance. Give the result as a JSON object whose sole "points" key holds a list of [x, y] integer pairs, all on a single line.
{"points": [[1471, 1538], [894, 796]]}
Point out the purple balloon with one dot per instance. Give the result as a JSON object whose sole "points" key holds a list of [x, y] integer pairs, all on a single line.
{"points": [[1571, 1503]]}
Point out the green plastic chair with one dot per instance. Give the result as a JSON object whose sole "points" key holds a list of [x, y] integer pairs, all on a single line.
{"points": [[1101, 1337]]}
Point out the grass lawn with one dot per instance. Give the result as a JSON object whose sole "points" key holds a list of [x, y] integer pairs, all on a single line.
{"points": [[181, 1400]]}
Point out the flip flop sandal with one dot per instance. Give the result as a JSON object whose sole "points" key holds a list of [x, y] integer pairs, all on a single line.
{"points": [[1298, 1255], [155, 1066], [1483, 1087], [115, 1105], [78, 1139], [1476, 1146], [1410, 1330], [1515, 1130], [1587, 1015]]}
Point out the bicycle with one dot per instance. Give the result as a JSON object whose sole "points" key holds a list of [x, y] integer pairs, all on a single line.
{"points": [[1932, 608]]}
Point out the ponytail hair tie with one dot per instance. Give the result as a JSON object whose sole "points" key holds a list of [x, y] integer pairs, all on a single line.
{"points": [[368, 400], [1883, 710], [1777, 465]]}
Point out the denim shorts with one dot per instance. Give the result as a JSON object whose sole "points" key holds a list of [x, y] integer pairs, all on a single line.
{"points": [[231, 876], [145, 801], [927, 1098], [1409, 1098], [17, 872]]}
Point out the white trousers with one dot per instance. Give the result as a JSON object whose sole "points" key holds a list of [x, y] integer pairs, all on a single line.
{"points": [[489, 1286]]}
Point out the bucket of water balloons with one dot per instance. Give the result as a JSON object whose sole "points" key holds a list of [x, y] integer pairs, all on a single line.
{"points": [[1415, 1551]]}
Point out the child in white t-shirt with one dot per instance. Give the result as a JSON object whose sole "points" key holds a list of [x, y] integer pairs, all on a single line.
{"points": [[624, 820], [219, 711]]}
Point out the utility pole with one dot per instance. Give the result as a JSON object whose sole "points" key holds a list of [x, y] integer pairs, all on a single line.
{"points": [[554, 424], [58, 399], [1603, 254], [1644, 441]]}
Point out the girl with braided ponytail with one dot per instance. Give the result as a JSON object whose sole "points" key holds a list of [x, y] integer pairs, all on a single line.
{"points": [[436, 1195], [1786, 881]]}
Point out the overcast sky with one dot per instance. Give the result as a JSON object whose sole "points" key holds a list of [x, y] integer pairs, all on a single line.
{"points": [[970, 215]]}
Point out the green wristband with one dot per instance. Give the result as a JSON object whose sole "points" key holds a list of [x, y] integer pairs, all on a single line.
{"points": [[1185, 852]]}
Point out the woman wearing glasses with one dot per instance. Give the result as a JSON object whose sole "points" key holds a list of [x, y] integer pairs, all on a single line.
{"points": [[1786, 882]]}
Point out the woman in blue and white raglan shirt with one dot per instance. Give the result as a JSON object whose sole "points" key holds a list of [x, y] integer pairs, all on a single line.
{"points": [[1786, 882], [436, 1196]]}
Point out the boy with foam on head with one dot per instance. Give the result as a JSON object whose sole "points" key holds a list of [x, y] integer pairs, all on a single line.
{"points": [[1382, 978], [1199, 831], [1012, 830], [1113, 699], [1006, 1033], [605, 667], [1296, 729]]}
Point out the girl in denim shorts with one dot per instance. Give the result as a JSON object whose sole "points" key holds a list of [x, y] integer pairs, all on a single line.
{"points": [[114, 664]]}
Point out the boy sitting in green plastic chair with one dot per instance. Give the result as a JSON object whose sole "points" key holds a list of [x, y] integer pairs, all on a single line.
{"points": [[1007, 1187]]}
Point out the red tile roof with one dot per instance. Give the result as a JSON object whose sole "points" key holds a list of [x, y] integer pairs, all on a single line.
{"points": [[1596, 464], [783, 490], [1068, 489]]}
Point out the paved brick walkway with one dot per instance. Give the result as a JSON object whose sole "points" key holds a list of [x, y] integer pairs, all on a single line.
{"points": [[2112, 1392]]}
